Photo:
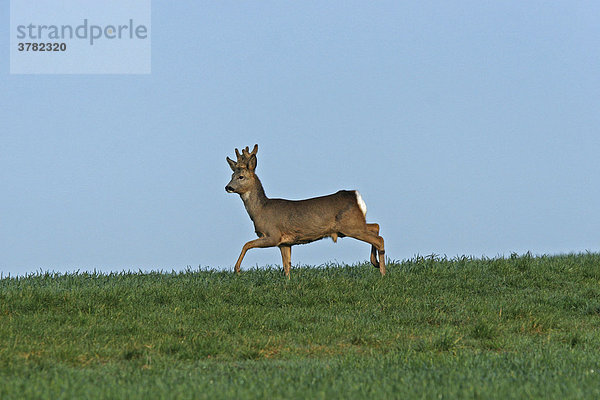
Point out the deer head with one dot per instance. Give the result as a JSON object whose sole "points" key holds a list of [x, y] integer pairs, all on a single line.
{"points": [[243, 178]]}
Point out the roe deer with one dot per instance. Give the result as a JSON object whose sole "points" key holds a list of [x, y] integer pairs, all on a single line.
{"points": [[284, 223]]}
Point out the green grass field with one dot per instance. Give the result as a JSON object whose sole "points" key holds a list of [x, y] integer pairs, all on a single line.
{"points": [[519, 327]]}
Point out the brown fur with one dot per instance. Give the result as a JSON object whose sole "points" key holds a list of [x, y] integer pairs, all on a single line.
{"points": [[284, 223]]}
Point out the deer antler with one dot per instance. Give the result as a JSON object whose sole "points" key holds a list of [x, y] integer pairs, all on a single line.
{"points": [[244, 157], [246, 152]]}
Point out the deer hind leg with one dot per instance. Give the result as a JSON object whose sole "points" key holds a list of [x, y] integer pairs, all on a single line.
{"points": [[264, 241], [286, 257], [375, 229], [376, 241]]}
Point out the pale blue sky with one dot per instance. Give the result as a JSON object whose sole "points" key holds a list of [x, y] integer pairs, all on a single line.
{"points": [[469, 128]]}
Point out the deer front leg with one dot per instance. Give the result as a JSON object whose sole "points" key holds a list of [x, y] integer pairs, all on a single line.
{"points": [[264, 241], [286, 258]]}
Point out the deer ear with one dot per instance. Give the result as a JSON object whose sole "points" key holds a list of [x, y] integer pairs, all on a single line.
{"points": [[252, 163], [231, 164]]}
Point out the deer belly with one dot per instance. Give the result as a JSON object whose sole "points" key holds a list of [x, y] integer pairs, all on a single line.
{"points": [[302, 239]]}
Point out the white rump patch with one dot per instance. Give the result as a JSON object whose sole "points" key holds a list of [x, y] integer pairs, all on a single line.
{"points": [[361, 203]]}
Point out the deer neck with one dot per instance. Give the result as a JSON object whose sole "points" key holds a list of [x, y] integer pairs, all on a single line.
{"points": [[255, 199]]}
